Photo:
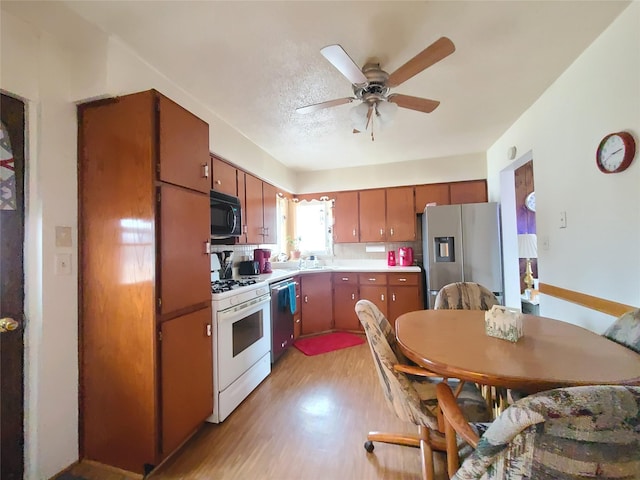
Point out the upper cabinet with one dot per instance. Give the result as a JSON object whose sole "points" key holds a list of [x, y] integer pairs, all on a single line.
{"points": [[474, 191], [377, 215], [224, 177], [453, 193], [346, 228], [183, 147], [401, 217], [260, 211], [432, 193], [372, 216]]}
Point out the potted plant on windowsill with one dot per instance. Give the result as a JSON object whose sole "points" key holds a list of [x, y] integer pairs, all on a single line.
{"points": [[294, 251]]}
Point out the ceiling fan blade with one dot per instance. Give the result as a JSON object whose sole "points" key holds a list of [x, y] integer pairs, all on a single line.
{"points": [[347, 67], [327, 104], [414, 103], [441, 48]]}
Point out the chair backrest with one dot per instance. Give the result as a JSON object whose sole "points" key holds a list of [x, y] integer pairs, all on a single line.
{"points": [[465, 296], [399, 392], [567, 433], [626, 330]]}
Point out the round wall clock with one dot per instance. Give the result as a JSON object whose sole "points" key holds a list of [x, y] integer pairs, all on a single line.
{"points": [[615, 152], [530, 201]]}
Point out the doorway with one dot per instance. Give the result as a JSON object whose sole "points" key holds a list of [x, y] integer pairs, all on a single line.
{"points": [[12, 168], [509, 208]]}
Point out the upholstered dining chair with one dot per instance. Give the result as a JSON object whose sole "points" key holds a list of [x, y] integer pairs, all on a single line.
{"points": [[626, 330], [568, 433], [410, 391], [465, 296]]}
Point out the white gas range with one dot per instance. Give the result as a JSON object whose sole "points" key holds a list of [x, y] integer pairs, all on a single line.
{"points": [[241, 341]]}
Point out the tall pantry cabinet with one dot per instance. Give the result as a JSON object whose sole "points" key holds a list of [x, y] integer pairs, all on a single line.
{"points": [[145, 299]]}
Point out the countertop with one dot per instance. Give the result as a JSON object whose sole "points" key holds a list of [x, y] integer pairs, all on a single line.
{"points": [[282, 273]]}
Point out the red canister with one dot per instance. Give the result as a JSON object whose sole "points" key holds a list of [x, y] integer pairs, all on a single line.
{"points": [[405, 255], [391, 258]]}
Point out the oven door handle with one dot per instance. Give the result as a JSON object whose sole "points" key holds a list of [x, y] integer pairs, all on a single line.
{"points": [[257, 303]]}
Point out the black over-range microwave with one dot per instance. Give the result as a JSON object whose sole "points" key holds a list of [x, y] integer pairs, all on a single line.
{"points": [[225, 215]]}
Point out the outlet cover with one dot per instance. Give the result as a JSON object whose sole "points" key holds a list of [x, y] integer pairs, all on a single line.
{"points": [[63, 236]]}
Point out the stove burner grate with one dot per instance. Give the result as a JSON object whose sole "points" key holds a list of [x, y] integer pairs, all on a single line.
{"points": [[220, 286]]}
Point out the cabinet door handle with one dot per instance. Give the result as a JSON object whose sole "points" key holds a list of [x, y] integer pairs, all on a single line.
{"points": [[382, 297], [402, 279], [354, 232], [205, 170], [391, 230], [353, 296], [208, 329], [345, 279], [298, 320], [218, 182], [381, 232], [393, 297], [207, 248], [306, 299], [372, 279], [283, 344]]}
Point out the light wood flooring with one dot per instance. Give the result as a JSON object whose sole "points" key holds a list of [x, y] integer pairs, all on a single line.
{"points": [[307, 421]]}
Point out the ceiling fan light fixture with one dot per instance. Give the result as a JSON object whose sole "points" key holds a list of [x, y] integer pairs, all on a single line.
{"points": [[385, 113], [358, 115]]}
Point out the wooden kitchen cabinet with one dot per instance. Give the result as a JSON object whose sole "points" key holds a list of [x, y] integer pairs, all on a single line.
{"points": [[346, 228], [144, 224], [474, 191], [183, 146], [224, 177], [372, 215], [187, 370], [316, 303], [297, 315], [433, 193], [345, 296], [404, 294], [373, 287], [401, 217], [260, 211]]}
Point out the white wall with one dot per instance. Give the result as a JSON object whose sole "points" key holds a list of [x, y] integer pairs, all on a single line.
{"points": [[37, 69], [450, 169], [599, 251]]}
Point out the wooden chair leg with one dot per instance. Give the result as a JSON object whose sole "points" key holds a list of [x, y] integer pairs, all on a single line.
{"points": [[394, 438], [426, 453]]}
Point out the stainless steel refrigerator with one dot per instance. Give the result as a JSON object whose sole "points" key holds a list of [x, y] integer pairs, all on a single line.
{"points": [[461, 243]]}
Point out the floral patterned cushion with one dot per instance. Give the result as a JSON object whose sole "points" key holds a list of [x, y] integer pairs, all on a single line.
{"points": [[412, 398], [465, 296], [568, 433], [626, 330]]}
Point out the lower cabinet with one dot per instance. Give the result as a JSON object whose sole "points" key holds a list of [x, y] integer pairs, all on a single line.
{"points": [[316, 303], [404, 295], [297, 315], [345, 297], [186, 372], [373, 287], [329, 299]]}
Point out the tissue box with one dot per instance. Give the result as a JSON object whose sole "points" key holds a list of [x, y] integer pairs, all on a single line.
{"points": [[503, 322]]}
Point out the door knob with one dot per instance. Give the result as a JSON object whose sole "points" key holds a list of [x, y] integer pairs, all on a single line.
{"points": [[7, 324]]}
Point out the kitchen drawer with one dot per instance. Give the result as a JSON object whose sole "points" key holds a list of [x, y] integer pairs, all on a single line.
{"points": [[372, 278], [340, 278], [404, 278]]}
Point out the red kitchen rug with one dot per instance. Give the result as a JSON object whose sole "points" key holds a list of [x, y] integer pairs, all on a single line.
{"points": [[327, 343]]}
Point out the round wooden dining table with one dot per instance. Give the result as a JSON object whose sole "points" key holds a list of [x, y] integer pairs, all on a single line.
{"points": [[551, 354]]}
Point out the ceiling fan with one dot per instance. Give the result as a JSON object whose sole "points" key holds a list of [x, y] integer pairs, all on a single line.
{"points": [[371, 85]]}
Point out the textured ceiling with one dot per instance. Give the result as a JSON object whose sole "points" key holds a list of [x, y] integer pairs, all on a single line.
{"points": [[254, 63]]}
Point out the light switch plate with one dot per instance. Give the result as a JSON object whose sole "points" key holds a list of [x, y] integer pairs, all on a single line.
{"points": [[563, 219], [63, 236]]}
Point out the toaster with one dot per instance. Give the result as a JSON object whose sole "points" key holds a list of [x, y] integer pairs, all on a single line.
{"points": [[249, 267]]}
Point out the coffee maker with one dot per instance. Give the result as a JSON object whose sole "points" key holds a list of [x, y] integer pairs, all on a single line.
{"points": [[262, 256]]}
